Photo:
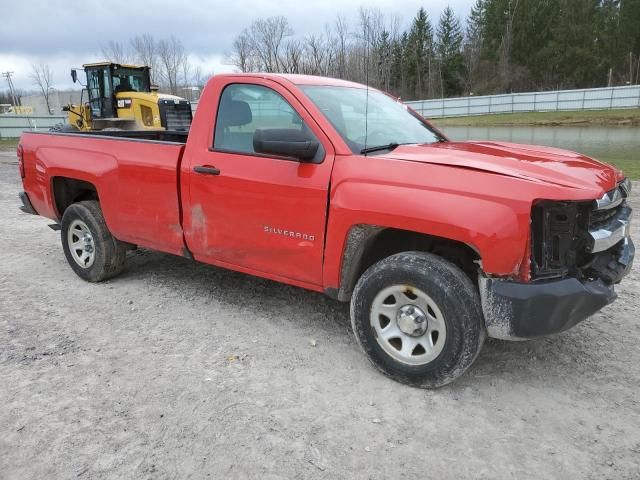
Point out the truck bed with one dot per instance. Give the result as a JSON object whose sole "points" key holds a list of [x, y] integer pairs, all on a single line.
{"points": [[135, 175]]}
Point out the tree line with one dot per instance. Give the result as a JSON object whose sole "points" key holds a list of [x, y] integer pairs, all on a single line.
{"points": [[502, 46]]}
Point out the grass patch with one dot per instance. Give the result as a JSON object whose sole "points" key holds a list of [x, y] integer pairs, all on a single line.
{"points": [[630, 166], [624, 117], [8, 143], [625, 157]]}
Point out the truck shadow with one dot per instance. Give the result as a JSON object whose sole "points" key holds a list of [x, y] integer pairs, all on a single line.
{"points": [[193, 281], [179, 279]]}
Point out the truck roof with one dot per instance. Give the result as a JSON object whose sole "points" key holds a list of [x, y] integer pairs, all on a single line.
{"points": [[301, 79]]}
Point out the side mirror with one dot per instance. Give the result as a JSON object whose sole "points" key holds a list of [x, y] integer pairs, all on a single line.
{"points": [[74, 75], [287, 142]]}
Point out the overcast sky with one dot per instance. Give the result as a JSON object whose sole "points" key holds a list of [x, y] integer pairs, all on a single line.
{"points": [[67, 33]]}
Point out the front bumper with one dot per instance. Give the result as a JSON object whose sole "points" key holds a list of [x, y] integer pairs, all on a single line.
{"points": [[519, 311]]}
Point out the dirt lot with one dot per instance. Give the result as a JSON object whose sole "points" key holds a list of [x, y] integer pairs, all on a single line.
{"points": [[180, 370]]}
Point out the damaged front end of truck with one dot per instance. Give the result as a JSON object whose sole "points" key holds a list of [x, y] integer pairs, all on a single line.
{"points": [[578, 251]]}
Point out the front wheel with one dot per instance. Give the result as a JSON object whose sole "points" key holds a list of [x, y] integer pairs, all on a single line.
{"points": [[418, 318], [92, 252]]}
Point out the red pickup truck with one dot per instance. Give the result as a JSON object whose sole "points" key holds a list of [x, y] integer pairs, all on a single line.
{"points": [[333, 187]]}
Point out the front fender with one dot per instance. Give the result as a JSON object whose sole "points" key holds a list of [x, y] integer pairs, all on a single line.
{"points": [[496, 229]]}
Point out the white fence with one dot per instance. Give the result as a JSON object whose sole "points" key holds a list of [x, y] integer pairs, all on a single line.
{"points": [[12, 126], [561, 100]]}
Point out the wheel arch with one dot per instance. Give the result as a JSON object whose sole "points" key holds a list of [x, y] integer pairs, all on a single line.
{"points": [[367, 244], [67, 191]]}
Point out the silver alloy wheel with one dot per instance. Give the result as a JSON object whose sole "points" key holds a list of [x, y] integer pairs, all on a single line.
{"points": [[408, 324], [81, 244]]}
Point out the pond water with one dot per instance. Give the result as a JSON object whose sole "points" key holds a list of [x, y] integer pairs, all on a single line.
{"points": [[623, 142]]}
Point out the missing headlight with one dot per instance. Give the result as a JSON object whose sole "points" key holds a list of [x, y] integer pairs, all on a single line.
{"points": [[558, 238]]}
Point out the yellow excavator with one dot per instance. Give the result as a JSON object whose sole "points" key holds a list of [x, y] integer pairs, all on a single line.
{"points": [[121, 97]]}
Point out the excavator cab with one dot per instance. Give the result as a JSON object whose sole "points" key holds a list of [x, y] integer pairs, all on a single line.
{"points": [[121, 97], [106, 80]]}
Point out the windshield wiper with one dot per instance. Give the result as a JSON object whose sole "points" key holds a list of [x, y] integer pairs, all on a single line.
{"points": [[388, 146]]}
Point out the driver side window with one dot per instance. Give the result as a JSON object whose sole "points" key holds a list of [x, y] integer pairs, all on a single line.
{"points": [[245, 108]]}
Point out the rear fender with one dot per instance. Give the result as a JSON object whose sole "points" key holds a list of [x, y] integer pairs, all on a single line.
{"points": [[98, 169]]}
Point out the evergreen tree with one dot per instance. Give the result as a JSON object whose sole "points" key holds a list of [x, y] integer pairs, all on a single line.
{"points": [[419, 56], [572, 52], [532, 32], [630, 34], [384, 56], [473, 43], [476, 20], [399, 66], [449, 47]]}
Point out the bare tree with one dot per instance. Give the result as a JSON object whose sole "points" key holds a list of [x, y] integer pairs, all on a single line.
{"points": [[115, 52], [198, 78], [167, 59], [185, 70], [293, 57], [262, 47], [316, 53], [369, 52], [342, 37], [241, 52], [145, 50], [42, 76], [172, 58], [266, 36]]}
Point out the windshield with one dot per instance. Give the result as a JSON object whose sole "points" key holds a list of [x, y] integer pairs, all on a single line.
{"points": [[388, 122], [130, 80]]}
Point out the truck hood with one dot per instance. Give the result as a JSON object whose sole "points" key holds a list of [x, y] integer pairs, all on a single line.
{"points": [[530, 162]]}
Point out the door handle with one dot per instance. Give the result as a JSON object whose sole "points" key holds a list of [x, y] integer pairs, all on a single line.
{"points": [[206, 170]]}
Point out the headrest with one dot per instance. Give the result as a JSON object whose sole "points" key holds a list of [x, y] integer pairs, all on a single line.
{"points": [[234, 113]]}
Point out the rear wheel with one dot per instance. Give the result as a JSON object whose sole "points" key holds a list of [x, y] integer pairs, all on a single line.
{"points": [[92, 252], [418, 318]]}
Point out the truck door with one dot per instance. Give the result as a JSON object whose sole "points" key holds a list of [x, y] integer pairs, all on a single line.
{"points": [[263, 213]]}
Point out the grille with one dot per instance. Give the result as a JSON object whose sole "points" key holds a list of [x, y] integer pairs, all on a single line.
{"points": [[600, 218], [175, 115]]}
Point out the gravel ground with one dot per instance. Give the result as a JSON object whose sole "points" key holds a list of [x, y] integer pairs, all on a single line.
{"points": [[181, 370]]}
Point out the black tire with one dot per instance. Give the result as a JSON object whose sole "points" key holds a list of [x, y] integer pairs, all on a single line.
{"points": [[457, 301], [109, 253]]}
